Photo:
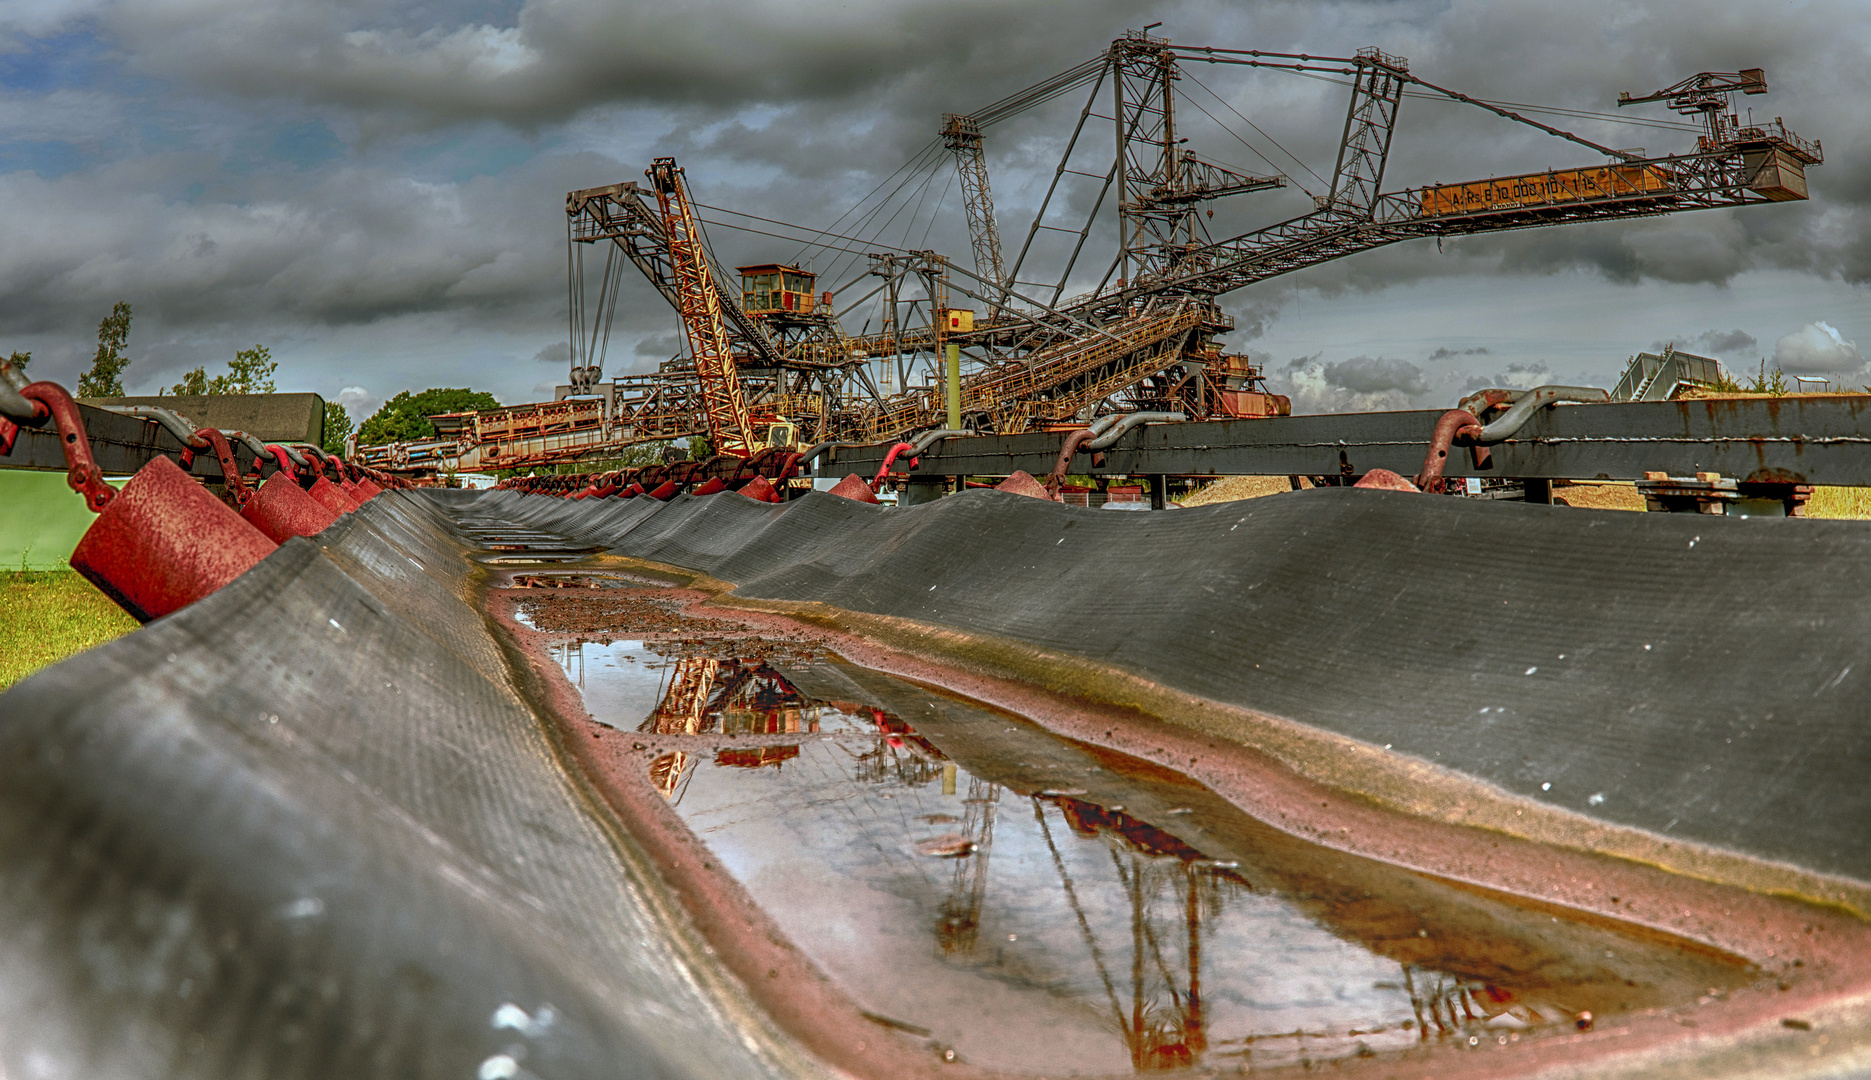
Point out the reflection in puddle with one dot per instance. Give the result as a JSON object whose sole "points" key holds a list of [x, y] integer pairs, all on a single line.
{"points": [[1043, 906]]}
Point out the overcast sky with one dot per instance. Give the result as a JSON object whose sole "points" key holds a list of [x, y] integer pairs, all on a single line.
{"points": [[374, 188]]}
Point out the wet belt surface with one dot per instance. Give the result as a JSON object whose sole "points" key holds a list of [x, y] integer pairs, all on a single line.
{"points": [[1037, 905]]}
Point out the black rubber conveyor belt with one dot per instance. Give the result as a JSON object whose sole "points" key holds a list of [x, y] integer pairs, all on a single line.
{"points": [[1698, 677], [306, 827]]}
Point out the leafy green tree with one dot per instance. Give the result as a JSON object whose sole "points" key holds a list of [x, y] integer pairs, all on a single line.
{"points": [[406, 416], [699, 448], [20, 359], [337, 426], [105, 379], [250, 372]]}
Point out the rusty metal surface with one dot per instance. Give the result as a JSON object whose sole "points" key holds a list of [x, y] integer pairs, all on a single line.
{"points": [[282, 417], [1812, 440], [282, 509], [163, 543], [121, 444]]}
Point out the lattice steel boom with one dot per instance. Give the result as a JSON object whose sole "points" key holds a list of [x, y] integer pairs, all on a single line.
{"points": [[699, 301]]}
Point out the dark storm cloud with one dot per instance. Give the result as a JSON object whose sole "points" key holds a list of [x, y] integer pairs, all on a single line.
{"points": [[449, 133], [1523, 375], [559, 57], [1446, 353], [349, 245], [1712, 343], [1373, 375], [1252, 321], [660, 346]]}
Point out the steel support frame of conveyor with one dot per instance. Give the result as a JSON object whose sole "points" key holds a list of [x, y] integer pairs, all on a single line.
{"points": [[121, 444], [1824, 441]]}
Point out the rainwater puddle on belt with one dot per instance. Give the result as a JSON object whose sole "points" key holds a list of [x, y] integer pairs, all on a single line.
{"points": [[1046, 907], [626, 680], [537, 558]]}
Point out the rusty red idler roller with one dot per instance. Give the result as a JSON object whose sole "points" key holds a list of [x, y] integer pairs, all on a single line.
{"points": [[282, 509], [163, 543], [762, 489], [329, 494], [855, 488]]}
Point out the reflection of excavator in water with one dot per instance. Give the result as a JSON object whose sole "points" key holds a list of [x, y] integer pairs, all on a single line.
{"points": [[1165, 1026], [736, 697], [1171, 889], [1158, 1036], [959, 924]]}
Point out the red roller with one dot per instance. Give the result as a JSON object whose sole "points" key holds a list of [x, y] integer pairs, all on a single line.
{"points": [[713, 485], [1022, 483], [760, 488], [855, 488], [328, 494], [665, 491], [281, 509], [1384, 480], [164, 543]]}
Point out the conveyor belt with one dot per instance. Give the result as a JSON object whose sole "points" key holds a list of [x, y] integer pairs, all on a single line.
{"points": [[1699, 677], [307, 826]]}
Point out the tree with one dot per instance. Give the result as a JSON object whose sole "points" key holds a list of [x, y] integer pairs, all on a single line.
{"points": [[250, 372], [20, 359], [105, 379], [406, 416], [337, 426]]}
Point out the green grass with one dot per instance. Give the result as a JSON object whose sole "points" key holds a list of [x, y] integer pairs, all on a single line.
{"points": [[47, 615]]}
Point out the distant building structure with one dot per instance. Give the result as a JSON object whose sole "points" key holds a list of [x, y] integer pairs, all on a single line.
{"points": [[1661, 376]]}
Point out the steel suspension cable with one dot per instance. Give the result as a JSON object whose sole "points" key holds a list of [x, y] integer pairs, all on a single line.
{"points": [[1256, 127], [931, 145]]}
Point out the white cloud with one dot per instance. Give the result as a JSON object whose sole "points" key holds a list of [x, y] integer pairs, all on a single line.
{"points": [[358, 402], [1817, 349], [1360, 384]]}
